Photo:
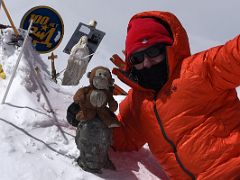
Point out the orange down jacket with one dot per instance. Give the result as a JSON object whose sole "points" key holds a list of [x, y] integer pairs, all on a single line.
{"points": [[192, 125]]}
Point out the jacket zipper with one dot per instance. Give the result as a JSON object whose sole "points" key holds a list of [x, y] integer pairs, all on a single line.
{"points": [[170, 142]]}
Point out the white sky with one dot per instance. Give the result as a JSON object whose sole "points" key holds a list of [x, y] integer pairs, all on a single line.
{"points": [[208, 23], [216, 20]]}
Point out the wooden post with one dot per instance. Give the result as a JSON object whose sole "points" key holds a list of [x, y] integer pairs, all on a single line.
{"points": [[54, 74], [118, 90], [10, 19]]}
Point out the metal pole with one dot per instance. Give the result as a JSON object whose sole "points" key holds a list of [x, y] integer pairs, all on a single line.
{"points": [[37, 78], [17, 63]]}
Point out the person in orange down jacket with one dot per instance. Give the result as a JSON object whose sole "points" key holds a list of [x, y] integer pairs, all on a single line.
{"points": [[184, 106]]}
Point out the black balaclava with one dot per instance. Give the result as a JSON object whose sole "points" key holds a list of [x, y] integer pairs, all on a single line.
{"points": [[152, 78]]}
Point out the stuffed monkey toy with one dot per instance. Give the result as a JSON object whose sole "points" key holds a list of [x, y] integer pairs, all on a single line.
{"points": [[93, 99]]}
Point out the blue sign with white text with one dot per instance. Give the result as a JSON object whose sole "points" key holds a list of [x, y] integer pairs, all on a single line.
{"points": [[47, 28]]}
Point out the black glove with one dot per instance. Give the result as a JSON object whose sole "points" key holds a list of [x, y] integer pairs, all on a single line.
{"points": [[72, 110]]}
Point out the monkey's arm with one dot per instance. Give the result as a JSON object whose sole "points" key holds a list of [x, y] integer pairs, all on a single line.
{"points": [[112, 103], [80, 95]]}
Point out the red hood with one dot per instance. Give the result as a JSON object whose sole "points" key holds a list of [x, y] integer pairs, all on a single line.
{"points": [[175, 53]]}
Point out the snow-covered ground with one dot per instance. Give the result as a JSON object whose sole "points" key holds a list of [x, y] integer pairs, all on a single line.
{"points": [[35, 144], [33, 140]]}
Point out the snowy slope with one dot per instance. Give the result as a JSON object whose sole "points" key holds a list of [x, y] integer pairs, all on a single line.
{"points": [[33, 147]]}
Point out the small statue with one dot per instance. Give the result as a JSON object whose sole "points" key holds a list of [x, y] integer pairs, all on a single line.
{"points": [[2, 73], [77, 62], [93, 99]]}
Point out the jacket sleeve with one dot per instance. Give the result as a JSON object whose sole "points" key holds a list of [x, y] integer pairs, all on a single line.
{"points": [[224, 65], [128, 137]]}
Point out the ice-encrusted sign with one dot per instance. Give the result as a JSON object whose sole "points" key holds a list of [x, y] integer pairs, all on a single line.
{"points": [[47, 29]]}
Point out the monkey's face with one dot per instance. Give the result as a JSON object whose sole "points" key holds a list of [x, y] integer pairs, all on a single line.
{"points": [[102, 79]]}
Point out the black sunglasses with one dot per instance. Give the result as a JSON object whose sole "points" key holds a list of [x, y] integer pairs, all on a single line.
{"points": [[151, 52]]}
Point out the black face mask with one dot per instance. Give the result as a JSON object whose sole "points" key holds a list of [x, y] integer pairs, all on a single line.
{"points": [[152, 78]]}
